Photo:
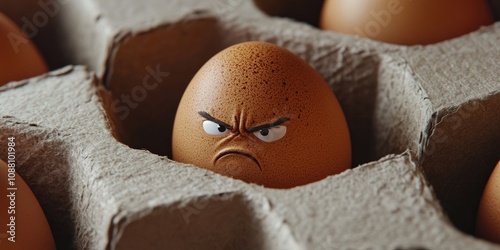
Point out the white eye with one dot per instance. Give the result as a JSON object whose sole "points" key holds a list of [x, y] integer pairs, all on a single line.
{"points": [[271, 134], [213, 128]]}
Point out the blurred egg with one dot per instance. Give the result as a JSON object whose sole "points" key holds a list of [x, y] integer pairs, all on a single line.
{"points": [[405, 22], [21, 215], [488, 217], [260, 113], [19, 58]]}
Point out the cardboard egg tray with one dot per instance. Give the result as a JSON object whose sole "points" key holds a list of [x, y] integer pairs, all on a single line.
{"points": [[93, 141]]}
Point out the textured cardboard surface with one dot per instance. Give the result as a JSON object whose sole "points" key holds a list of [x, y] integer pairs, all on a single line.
{"points": [[123, 198], [440, 101]]}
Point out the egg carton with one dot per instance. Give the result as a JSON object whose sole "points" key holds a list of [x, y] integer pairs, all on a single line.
{"points": [[93, 141]]}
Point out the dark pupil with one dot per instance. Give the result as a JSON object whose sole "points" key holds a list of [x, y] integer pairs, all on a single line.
{"points": [[264, 132], [221, 128]]}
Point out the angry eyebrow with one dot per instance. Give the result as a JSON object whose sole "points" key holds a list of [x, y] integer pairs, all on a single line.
{"points": [[268, 125], [211, 118]]}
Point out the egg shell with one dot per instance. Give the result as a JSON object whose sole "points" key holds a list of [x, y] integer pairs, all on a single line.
{"points": [[405, 22], [19, 58], [256, 83], [488, 218], [32, 231]]}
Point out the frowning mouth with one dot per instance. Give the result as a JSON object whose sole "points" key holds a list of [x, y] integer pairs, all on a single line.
{"points": [[238, 153]]}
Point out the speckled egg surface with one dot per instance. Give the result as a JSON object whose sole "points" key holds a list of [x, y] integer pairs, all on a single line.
{"points": [[259, 113]]}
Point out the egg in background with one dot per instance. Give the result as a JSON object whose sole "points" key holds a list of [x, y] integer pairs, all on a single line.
{"points": [[32, 230], [488, 217], [19, 58], [405, 22], [260, 113]]}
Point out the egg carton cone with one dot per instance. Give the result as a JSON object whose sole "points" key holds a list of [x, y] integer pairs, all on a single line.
{"points": [[93, 141]]}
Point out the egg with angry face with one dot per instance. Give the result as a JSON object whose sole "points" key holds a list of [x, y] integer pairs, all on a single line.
{"points": [[260, 113]]}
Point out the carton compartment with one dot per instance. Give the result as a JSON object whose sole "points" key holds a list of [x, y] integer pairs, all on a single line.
{"points": [[310, 11], [54, 198], [379, 97], [144, 86], [225, 221], [48, 162], [459, 180]]}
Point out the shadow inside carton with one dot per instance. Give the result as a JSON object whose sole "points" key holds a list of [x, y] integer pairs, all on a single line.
{"points": [[43, 163], [459, 180], [300, 10], [356, 90], [384, 106], [495, 6], [147, 78], [229, 218]]}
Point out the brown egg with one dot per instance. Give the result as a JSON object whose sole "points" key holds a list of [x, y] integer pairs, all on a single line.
{"points": [[21, 215], [19, 58], [405, 22], [259, 113], [488, 217]]}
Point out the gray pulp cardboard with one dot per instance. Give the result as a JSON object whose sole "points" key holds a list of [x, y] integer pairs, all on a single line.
{"points": [[423, 120]]}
